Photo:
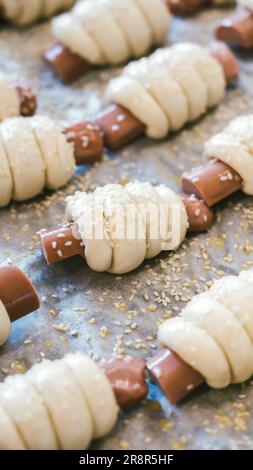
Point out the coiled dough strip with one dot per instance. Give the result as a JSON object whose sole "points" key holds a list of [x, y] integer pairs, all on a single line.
{"points": [[165, 91], [100, 24], [10, 438], [97, 391], [227, 291], [57, 153], [133, 23], [64, 401], [25, 160], [208, 68]]}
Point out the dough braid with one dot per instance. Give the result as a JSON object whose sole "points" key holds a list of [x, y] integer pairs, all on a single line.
{"points": [[234, 146], [214, 333], [56, 405], [112, 31], [173, 86], [123, 226], [24, 12], [34, 154]]}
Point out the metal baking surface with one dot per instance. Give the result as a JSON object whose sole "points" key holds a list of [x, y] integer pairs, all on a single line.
{"points": [[100, 313]]}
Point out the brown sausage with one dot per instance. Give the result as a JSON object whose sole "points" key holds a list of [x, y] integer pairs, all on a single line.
{"points": [[221, 52], [17, 293], [237, 29], [28, 101], [60, 243], [127, 376], [199, 214], [176, 378], [186, 7], [119, 126], [65, 63], [212, 182], [88, 142]]}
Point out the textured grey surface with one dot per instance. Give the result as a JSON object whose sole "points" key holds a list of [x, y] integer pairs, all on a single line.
{"points": [[131, 306]]}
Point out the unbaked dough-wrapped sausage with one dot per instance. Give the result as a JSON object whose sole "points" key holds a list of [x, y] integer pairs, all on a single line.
{"points": [[24, 12], [57, 405], [112, 31], [213, 334], [234, 147], [34, 153], [122, 226], [173, 86]]}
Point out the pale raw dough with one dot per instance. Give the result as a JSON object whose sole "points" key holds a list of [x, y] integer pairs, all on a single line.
{"points": [[133, 209], [208, 68], [56, 151], [97, 391], [157, 14], [99, 22], [133, 96], [245, 4], [79, 40], [218, 322], [25, 12], [111, 31], [64, 401], [6, 183], [26, 408], [25, 160], [9, 99], [173, 86], [57, 405], [5, 324], [226, 330], [234, 146], [133, 23], [231, 288], [34, 153], [10, 439], [164, 89]]}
